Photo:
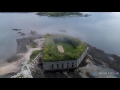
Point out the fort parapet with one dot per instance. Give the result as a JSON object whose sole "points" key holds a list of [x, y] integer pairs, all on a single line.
{"points": [[64, 65], [56, 63]]}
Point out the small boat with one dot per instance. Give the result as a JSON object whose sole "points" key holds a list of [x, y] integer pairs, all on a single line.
{"points": [[16, 29]]}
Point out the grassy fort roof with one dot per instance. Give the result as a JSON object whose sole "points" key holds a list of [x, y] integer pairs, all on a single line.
{"points": [[62, 47]]}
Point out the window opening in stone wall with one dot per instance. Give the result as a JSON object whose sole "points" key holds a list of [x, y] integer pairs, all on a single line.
{"points": [[52, 66], [72, 64], [57, 65], [67, 65], [62, 65]]}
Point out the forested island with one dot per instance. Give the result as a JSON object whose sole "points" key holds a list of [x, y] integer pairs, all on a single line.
{"points": [[57, 14]]}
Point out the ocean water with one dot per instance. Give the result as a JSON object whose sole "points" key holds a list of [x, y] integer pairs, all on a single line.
{"points": [[101, 30]]}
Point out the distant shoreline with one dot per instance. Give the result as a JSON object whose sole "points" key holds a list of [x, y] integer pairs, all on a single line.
{"points": [[62, 14]]}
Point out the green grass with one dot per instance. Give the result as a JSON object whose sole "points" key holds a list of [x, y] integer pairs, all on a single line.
{"points": [[51, 53], [34, 55], [25, 67], [21, 76], [67, 47], [34, 46]]}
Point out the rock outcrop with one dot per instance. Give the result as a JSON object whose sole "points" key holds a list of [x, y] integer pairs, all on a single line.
{"points": [[100, 56], [24, 43]]}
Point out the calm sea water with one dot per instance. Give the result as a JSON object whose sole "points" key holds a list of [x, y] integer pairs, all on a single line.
{"points": [[101, 30]]}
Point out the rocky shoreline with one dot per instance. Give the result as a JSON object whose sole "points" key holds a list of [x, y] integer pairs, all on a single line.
{"points": [[24, 49], [100, 56], [88, 66], [95, 63]]}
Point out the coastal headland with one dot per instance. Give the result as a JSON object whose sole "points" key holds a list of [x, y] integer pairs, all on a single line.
{"points": [[96, 60]]}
